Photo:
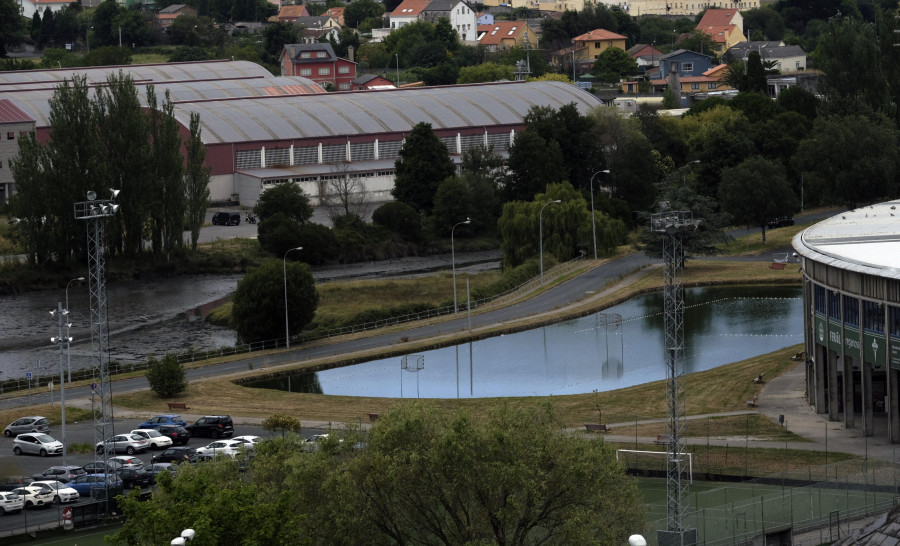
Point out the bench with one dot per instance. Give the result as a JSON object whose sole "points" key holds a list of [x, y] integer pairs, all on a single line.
{"points": [[663, 439], [759, 378], [798, 356], [373, 417], [777, 265], [177, 405], [594, 427], [752, 402]]}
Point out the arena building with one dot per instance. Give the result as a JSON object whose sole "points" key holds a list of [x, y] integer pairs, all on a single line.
{"points": [[262, 130], [851, 292]]}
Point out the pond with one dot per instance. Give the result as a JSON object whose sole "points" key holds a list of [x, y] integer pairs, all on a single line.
{"points": [[619, 347]]}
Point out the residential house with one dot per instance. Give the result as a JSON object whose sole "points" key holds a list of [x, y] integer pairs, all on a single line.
{"points": [[460, 13], [290, 14], [708, 81], [167, 16], [484, 18], [337, 14], [371, 81], [645, 55], [409, 11], [505, 35], [319, 63], [317, 28], [724, 26], [790, 58], [15, 124], [590, 45], [686, 63], [28, 7]]}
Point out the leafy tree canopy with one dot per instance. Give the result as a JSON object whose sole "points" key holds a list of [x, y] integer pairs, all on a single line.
{"points": [[360, 10], [258, 310], [287, 198], [755, 191], [423, 163], [486, 72], [166, 377], [613, 64]]}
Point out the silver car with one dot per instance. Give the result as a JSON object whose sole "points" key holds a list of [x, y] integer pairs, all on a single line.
{"points": [[35, 423], [37, 444], [127, 443]]}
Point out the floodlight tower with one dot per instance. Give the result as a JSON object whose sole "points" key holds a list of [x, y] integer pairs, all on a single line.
{"points": [[673, 224], [95, 212]]}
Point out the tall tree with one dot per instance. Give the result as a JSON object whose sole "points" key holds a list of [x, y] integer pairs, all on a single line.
{"points": [[34, 230], [533, 163], [287, 198], [12, 26], [423, 163], [196, 180], [168, 212], [756, 191]]}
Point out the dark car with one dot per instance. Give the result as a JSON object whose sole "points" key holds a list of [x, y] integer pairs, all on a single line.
{"points": [[99, 467], [213, 426], [177, 433], [161, 420], [226, 219], [8, 483], [60, 473], [174, 455], [781, 221], [156, 469], [132, 478]]}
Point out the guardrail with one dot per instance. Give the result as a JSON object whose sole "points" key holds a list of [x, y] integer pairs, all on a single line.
{"points": [[192, 355]]}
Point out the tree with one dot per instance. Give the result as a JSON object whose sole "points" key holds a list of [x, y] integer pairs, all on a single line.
{"points": [[319, 243], [485, 72], [103, 33], [700, 42], [452, 204], [275, 35], [756, 191], [671, 98], [287, 198], [166, 377], [282, 423], [11, 25], [797, 99], [258, 309], [484, 171], [168, 211], [423, 163], [360, 10], [756, 73], [400, 218], [533, 163], [278, 233], [613, 64], [345, 193], [196, 180]]}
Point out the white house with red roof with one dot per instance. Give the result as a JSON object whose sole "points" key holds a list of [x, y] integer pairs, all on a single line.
{"points": [[409, 11], [28, 7], [505, 34], [15, 124], [724, 26], [290, 14]]}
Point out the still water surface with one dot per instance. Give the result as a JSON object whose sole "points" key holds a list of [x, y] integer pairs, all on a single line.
{"points": [[598, 352]]}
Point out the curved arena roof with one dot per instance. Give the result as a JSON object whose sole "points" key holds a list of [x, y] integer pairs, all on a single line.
{"points": [[141, 73], [374, 112], [865, 240]]}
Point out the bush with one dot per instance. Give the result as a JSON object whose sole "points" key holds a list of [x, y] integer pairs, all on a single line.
{"points": [[400, 218], [280, 422], [166, 376], [319, 243], [278, 233]]}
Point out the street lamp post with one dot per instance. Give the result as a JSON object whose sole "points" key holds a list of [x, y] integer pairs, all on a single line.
{"points": [[541, 229], [397, 56], [453, 259], [68, 325], [593, 222], [287, 332], [60, 314]]}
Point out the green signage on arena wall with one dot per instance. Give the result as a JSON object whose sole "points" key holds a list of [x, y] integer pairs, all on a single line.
{"points": [[874, 348], [895, 354]]}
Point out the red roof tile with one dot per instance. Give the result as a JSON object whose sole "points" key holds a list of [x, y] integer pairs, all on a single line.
{"points": [[599, 34], [716, 17], [410, 8], [10, 113]]}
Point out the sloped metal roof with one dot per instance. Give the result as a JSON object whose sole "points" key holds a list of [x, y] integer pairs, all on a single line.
{"points": [[865, 240], [373, 112]]}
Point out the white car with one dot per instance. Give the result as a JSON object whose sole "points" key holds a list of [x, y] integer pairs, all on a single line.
{"points": [[248, 441], [37, 444], [35, 496], [10, 502], [221, 447], [127, 461], [129, 443], [156, 439], [61, 491]]}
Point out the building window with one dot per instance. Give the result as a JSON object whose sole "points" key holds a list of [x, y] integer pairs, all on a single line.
{"points": [[873, 316], [851, 311], [344, 87], [10, 136], [305, 55], [834, 305], [695, 86], [894, 321], [322, 55], [711, 85], [343, 70], [306, 71], [687, 67], [598, 45], [819, 297], [324, 71]]}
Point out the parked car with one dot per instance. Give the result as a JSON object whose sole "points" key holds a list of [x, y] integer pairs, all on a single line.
{"points": [[226, 219], [177, 433], [128, 461], [10, 503], [781, 221], [201, 458], [8, 483], [59, 473], [89, 485], [37, 444], [99, 467], [35, 495], [165, 419], [221, 447], [127, 443], [61, 491], [174, 455], [27, 424], [248, 441], [155, 437], [135, 477], [213, 426], [156, 469]]}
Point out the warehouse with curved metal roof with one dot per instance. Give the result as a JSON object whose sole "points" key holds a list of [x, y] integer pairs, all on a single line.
{"points": [[851, 290]]}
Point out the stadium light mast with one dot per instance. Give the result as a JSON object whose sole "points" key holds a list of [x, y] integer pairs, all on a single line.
{"points": [[672, 225], [95, 212]]}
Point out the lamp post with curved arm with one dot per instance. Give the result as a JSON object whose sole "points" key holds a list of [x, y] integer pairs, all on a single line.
{"points": [[541, 229], [453, 259], [593, 222], [287, 331]]}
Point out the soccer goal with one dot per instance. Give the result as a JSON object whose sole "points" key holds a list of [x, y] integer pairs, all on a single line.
{"points": [[653, 460]]}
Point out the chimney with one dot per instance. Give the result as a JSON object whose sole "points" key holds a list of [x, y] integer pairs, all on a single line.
{"points": [[350, 54]]}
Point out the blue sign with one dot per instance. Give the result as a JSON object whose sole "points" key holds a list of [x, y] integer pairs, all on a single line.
{"points": [[93, 386], [28, 376]]}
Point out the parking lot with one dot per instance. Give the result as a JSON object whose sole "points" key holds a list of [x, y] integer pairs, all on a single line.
{"points": [[27, 465]]}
